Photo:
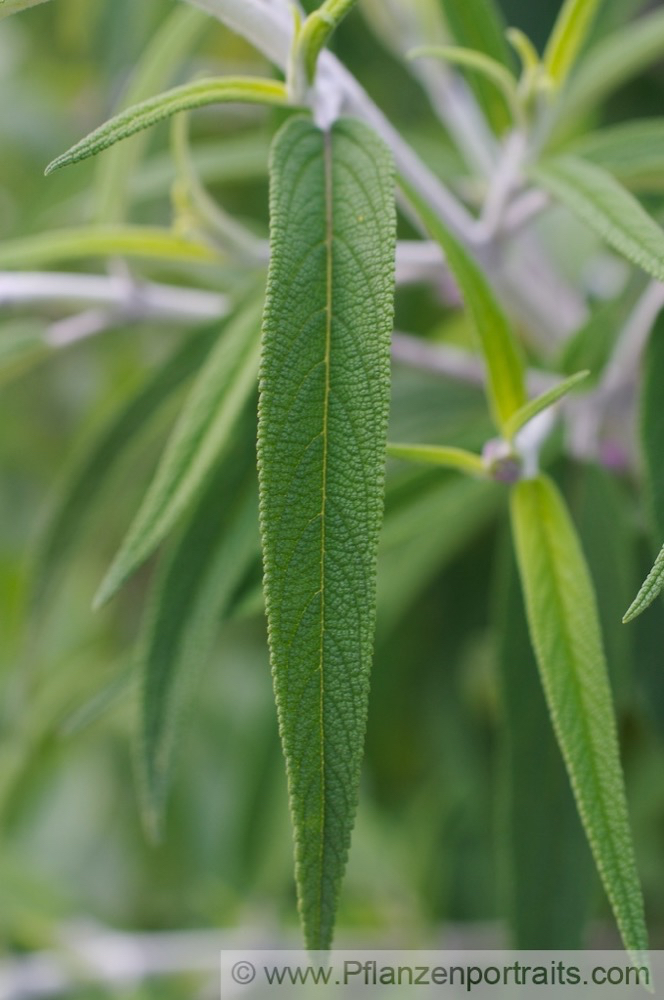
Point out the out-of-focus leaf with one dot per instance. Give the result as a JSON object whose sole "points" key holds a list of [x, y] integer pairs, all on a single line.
{"points": [[633, 152], [200, 440], [591, 346], [60, 245], [487, 68], [535, 406], [87, 478], [22, 345], [652, 426], [184, 98], [568, 36], [563, 623], [506, 389], [169, 46], [446, 457], [192, 593], [479, 25], [8, 7], [546, 877], [611, 211], [325, 381]]}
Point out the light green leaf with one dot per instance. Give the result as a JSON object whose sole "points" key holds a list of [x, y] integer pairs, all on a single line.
{"points": [[651, 588], [8, 7], [157, 66], [546, 867], [445, 457], [318, 29], [325, 380], [185, 98], [506, 388], [562, 617], [535, 406], [479, 25], [490, 69], [609, 64], [193, 592], [88, 477], [633, 152], [607, 208], [45, 249], [200, 440], [568, 36]]}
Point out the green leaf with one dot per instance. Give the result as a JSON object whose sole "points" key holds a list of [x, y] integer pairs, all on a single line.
{"points": [[88, 478], [562, 617], [652, 426], [607, 208], [547, 870], [185, 98], [325, 380], [651, 588], [200, 440], [633, 152], [591, 346], [568, 36], [479, 25], [506, 388], [535, 406], [445, 457], [45, 249], [157, 66], [624, 54], [8, 7], [317, 31], [193, 592], [490, 69]]}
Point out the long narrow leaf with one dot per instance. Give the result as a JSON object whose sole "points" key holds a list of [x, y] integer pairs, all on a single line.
{"points": [[185, 98], [445, 457], [200, 439], [8, 7], [610, 210], [651, 588], [192, 593], [568, 36], [562, 617], [632, 151], [325, 380], [543, 402], [507, 392], [489, 69]]}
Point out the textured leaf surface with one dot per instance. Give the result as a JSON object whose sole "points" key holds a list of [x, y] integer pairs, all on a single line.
{"points": [[568, 36], [562, 618], [88, 477], [322, 435], [191, 595], [650, 589], [633, 152], [611, 211], [547, 871], [507, 392], [200, 439], [479, 25], [184, 98]]}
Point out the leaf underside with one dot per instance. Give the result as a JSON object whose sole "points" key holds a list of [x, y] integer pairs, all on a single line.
{"points": [[325, 379], [562, 618]]}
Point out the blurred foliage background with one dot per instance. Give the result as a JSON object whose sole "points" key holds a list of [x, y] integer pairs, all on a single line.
{"points": [[434, 846]]}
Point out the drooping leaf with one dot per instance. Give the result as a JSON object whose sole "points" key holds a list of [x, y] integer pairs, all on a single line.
{"points": [[604, 205], [490, 70], [185, 98], [88, 477], [506, 388], [317, 29], [651, 588], [535, 406], [201, 438], [632, 151], [563, 623], [445, 457], [193, 591], [479, 25], [612, 62], [568, 36], [8, 7], [546, 867], [322, 436]]}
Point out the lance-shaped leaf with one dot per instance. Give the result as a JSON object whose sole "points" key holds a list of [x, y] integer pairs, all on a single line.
{"points": [[200, 440], [607, 207], [651, 588], [192, 593], [88, 477], [506, 388], [568, 36], [325, 380], [489, 69], [563, 623], [535, 406], [245, 90], [444, 456], [8, 7]]}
